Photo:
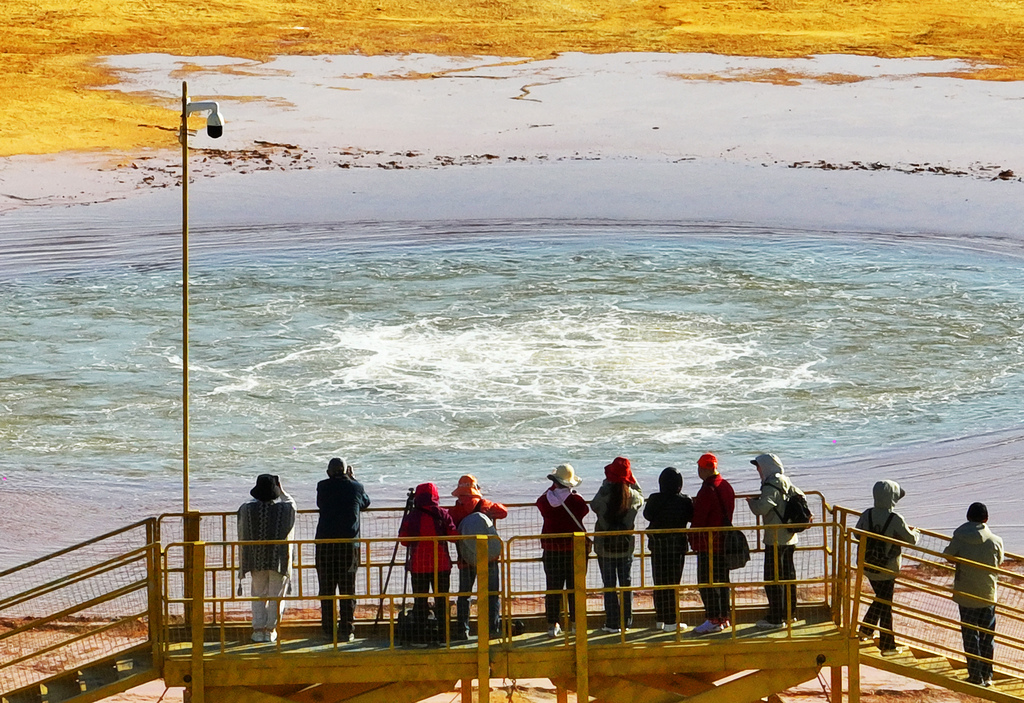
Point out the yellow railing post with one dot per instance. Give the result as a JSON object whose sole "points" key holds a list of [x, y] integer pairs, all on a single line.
{"points": [[483, 620], [198, 623], [153, 592], [579, 566], [190, 533]]}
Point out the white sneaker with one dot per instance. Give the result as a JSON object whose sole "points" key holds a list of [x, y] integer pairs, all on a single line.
{"points": [[659, 626], [351, 637], [768, 625], [270, 636], [674, 627], [555, 630], [709, 628], [611, 630]]}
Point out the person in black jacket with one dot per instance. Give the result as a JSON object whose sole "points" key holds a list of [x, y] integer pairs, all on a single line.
{"points": [[670, 509], [340, 498]]}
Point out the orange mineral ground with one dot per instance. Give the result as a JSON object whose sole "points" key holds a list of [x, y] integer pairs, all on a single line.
{"points": [[51, 48]]}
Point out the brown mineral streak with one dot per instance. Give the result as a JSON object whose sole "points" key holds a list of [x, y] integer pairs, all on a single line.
{"points": [[51, 48]]}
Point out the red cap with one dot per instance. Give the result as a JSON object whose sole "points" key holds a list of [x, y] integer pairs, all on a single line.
{"points": [[708, 461], [619, 472]]}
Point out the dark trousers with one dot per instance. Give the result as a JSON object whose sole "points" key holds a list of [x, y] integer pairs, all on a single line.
{"points": [[424, 583], [558, 576], [667, 570], [880, 614], [716, 598], [977, 642], [336, 566], [467, 578], [615, 572], [781, 597]]}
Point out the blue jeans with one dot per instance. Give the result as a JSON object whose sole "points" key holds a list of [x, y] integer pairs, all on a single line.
{"points": [[467, 577], [615, 572], [977, 642]]}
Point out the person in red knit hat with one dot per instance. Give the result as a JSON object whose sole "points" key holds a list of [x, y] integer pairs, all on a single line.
{"points": [[712, 507], [616, 505]]}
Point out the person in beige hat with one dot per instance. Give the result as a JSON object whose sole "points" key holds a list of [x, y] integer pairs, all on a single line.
{"points": [[471, 507], [563, 510]]}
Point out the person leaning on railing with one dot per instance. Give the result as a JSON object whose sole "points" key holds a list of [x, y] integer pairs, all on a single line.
{"points": [[563, 510], [974, 590], [713, 506], [616, 505], [883, 519], [270, 515], [340, 498]]}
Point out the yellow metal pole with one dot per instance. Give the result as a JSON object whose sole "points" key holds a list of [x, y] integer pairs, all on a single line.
{"points": [[483, 587], [579, 566], [198, 578], [183, 138]]}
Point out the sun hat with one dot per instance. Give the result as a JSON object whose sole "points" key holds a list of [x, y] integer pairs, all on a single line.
{"points": [[267, 488], [708, 461], [619, 472], [566, 476], [467, 487]]}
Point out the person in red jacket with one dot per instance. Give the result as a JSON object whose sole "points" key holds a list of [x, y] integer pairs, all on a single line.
{"points": [[470, 500], [427, 560], [712, 507], [563, 510]]}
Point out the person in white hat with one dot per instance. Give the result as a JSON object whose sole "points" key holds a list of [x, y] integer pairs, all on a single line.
{"points": [[563, 510]]}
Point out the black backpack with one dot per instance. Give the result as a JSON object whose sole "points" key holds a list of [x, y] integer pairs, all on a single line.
{"points": [[877, 552], [796, 512]]}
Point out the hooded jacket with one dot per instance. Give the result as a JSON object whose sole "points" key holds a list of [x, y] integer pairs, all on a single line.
{"points": [[669, 509], [974, 587], [426, 519], [606, 522], [770, 506], [887, 494]]}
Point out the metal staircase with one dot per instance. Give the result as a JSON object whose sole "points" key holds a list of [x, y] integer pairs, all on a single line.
{"points": [[945, 671]]}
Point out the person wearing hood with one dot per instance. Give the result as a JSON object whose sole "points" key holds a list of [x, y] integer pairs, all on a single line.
{"points": [[713, 506], [474, 514], [668, 509], [339, 498], [562, 510], [428, 561], [883, 519], [779, 542], [616, 505], [269, 516], [974, 590]]}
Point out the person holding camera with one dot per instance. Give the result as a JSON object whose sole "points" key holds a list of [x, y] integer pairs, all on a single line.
{"points": [[269, 516], [340, 499], [615, 505]]}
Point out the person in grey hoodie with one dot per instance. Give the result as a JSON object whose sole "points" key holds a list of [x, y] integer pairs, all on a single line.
{"points": [[669, 509], [883, 519], [779, 542], [616, 505], [974, 590]]}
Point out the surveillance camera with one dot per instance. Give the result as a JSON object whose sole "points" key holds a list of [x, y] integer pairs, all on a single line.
{"points": [[214, 124]]}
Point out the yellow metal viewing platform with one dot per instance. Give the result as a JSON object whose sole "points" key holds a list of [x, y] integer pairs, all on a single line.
{"points": [[159, 599]]}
